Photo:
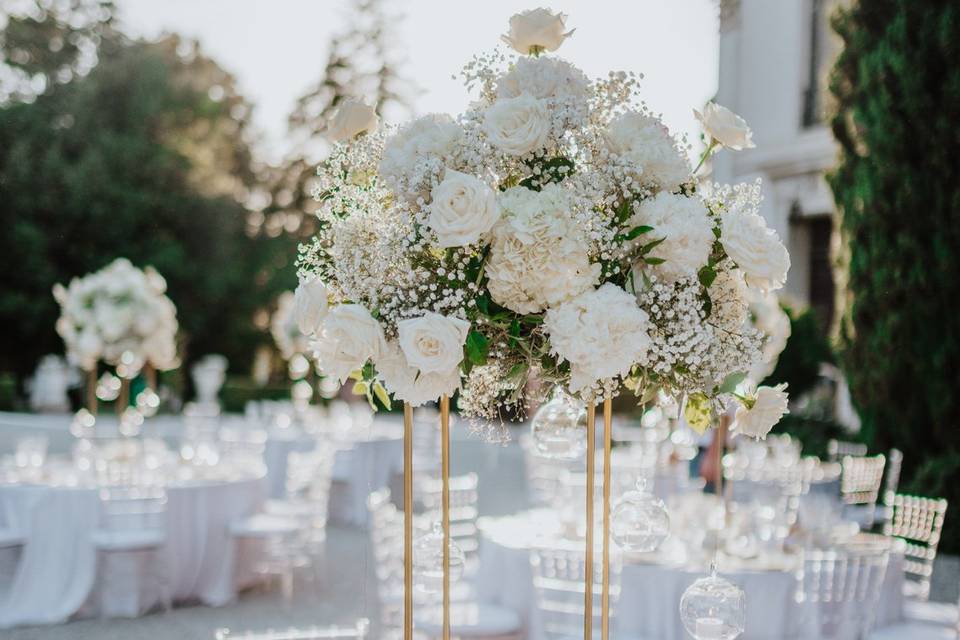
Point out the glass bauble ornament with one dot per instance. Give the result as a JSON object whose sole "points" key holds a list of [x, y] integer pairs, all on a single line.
{"points": [[428, 561], [639, 520], [559, 428], [713, 608]]}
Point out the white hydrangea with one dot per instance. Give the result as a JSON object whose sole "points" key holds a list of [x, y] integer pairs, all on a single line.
{"points": [[408, 383], [538, 257], [544, 78], [417, 151], [645, 142], [685, 225], [602, 333]]}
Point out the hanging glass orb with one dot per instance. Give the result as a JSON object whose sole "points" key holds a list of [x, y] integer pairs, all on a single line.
{"points": [[428, 561], [148, 402], [559, 428], [713, 609], [639, 520]]}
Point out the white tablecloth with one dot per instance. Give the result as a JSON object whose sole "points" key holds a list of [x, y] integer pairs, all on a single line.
{"points": [[650, 593], [57, 569]]}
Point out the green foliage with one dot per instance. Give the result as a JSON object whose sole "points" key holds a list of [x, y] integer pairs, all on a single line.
{"points": [[806, 349], [145, 157], [897, 86]]}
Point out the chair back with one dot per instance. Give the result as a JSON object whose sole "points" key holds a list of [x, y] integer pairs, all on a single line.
{"points": [[919, 522], [359, 630], [543, 474], [860, 486], [838, 591], [242, 445], [558, 576], [463, 511], [133, 508], [838, 449]]}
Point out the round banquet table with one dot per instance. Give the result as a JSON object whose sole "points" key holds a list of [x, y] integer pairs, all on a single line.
{"points": [[650, 593], [56, 574]]}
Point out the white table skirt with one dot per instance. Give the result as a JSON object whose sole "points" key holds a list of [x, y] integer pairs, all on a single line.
{"points": [[650, 593], [57, 570]]}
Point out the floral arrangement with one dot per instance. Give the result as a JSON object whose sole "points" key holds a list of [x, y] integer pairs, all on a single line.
{"points": [[554, 231], [118, 312]]}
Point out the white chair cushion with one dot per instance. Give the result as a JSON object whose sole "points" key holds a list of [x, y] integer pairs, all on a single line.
{"points": [[128, 539], [11, 538], [263, 525], [914, 631], [942, 613], [470, 620]]}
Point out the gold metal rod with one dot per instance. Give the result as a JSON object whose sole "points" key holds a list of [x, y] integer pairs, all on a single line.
{"points": [[123, 400], [588, 534], [607, 445], [150, 376], [92, 390], [445, 471], [407, 521]]}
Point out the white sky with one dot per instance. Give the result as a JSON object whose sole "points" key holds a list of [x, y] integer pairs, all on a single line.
{"points": [[277, 48]]}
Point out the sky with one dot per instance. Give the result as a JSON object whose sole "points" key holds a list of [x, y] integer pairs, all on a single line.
{"points": [[277, 48]]}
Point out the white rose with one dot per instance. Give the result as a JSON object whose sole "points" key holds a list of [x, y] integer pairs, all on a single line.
{"points": [[544, 78], [645, 142], [518, 125], [602, 333], [685, 226], [433, 343], [536, 30], [410, 385], [350, 336], [756, 249], [352, 118], [310, 305], [762, 411], [770, 319], [463, 209], [539, 257], [726, 127]]}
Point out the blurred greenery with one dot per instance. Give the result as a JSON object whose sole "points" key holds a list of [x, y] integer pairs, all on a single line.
{"points": [[112, 146], [897, 186]]}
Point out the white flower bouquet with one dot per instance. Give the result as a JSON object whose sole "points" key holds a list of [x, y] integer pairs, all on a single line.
{"points": [[555, 230], [118, 310]]}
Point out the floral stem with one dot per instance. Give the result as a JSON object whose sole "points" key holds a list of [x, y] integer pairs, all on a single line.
{"points": [[706, 154]]}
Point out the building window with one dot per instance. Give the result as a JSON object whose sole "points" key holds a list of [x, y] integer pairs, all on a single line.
{"points": [[813, 94], [822, 288]]}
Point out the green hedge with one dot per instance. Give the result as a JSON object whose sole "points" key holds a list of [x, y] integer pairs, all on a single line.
{"points": [[897, 186]]}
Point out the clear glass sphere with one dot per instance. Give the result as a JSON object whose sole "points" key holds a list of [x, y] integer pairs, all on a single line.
{"points": [[428, 561], [713, 609], [639, 520], [559, 428]]}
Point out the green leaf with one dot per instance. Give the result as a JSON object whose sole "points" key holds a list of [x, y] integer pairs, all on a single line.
{"points": [[707, 275], [732, 381], [517, 374], [645, 249], [654, 260], [483, 303], [633, 234], [382, 395], [478, 347], [623, 211], [697, 412]]}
